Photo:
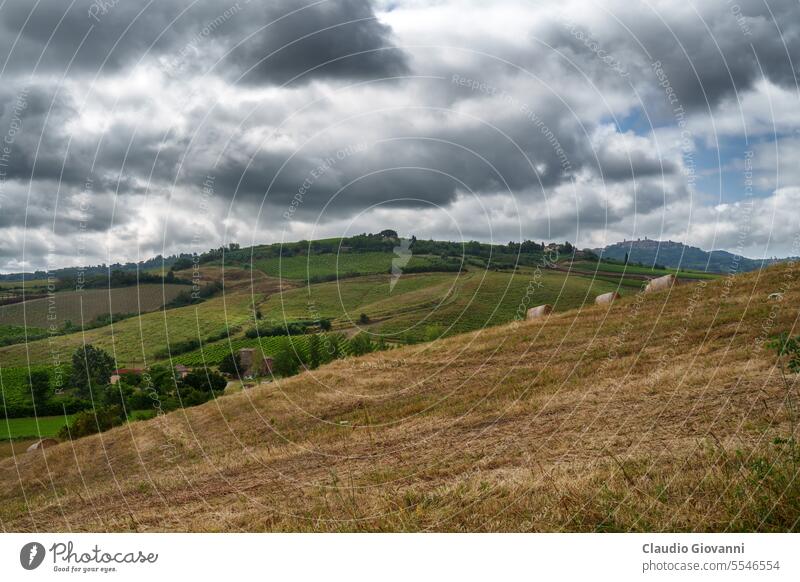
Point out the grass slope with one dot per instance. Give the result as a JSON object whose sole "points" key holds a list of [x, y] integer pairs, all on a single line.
{"points": [[658, 414], [450, 302], [486, 298]]}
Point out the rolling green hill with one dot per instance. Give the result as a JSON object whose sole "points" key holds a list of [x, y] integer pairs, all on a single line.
{"points": [[440, 289]]}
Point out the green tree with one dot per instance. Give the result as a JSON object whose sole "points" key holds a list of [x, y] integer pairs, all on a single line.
{"points": [[141, 400], [285, 361], [325, 324], [162, 379], [204, 380], [231, 364], [39, 387], [91, 367], [363, 318], [116, 394], [314, 351]]}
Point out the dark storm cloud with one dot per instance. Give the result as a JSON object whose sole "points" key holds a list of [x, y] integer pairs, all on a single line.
{"points": [[705, 52], [90, 36], [432, 167], [341, 39], [417, 169], [83, 36]]}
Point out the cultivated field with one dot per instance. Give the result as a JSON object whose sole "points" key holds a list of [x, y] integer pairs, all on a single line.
{"points": [[330, 264], [663, 412], [640, 270], [135, 341], [85, 306]]}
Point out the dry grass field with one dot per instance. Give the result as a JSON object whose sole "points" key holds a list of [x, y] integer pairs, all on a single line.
{"points": [[663, 412]]}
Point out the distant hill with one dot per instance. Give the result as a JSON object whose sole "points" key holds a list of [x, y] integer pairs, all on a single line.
{"points": [[675, 254]]}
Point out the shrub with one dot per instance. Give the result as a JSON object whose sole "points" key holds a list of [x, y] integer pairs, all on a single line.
{"points": [[90, 422], [361, 344], [204, 380], [195, 397]]}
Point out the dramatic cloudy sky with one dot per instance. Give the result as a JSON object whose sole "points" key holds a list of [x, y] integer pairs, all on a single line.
{"points": [[132, 128]]}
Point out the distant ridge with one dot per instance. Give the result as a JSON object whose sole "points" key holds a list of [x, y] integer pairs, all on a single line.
{"points": [[678, 255]]}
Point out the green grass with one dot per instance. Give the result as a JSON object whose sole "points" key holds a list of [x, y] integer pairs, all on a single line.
{"points": [[18, 331], [31, 427], [87, 305], [134, 415], [325, 265], [48, 426]]}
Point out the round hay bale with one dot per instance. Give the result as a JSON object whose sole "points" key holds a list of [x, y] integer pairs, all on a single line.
{"points": [[540, 311], [607, 298], [661, 283], [42, 444]]}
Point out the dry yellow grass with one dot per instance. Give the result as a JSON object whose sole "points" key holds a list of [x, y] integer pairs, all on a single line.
{"points": [[656, 413]]}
